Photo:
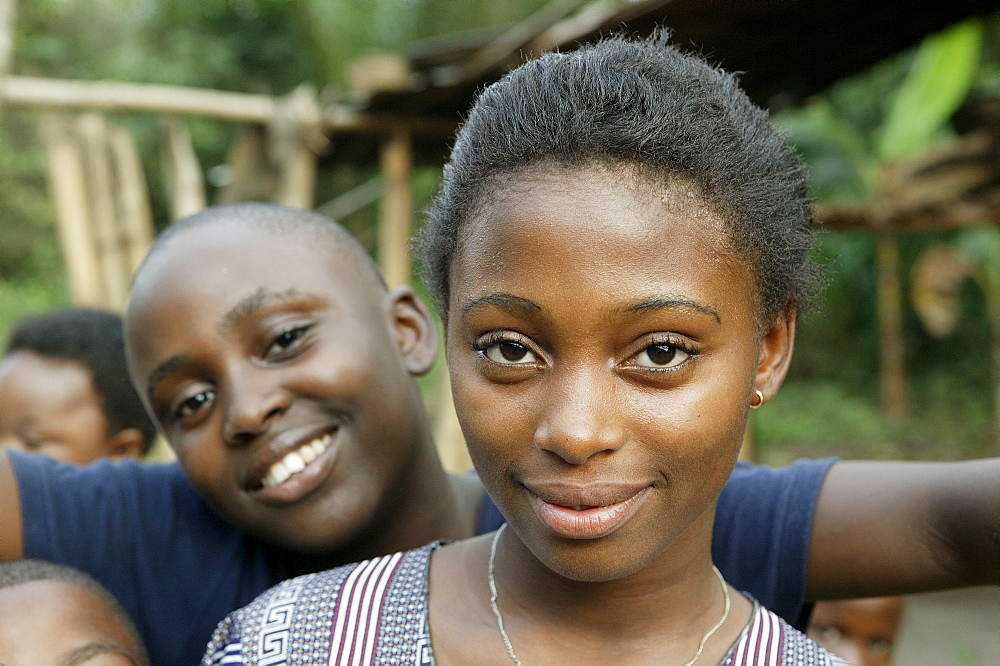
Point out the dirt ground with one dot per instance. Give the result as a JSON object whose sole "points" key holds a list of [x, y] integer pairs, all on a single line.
{"points": [[954, 628]]}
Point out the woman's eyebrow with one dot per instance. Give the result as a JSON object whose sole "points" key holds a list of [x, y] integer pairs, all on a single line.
{"points": [[505, 301], [672, 302]]}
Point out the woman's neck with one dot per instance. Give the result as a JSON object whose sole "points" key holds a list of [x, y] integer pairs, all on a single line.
{"points": [[657, 614]]}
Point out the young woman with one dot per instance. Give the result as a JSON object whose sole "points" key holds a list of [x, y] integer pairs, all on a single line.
{"points": [[619, 249]]}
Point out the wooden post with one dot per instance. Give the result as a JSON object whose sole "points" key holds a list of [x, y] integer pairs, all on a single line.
{"points": [[69, 192], [93, 131], [892, 345], [296, 136], [396, 210], [187, 187], [448, 432], [135, 217], [8, 12], [250, 177]]}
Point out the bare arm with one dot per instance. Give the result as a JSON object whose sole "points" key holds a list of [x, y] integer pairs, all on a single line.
{"points": [[885, 528], [11, 533]]}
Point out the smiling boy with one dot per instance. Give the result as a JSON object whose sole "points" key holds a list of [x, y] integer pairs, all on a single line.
{"points": [[260, 337]]}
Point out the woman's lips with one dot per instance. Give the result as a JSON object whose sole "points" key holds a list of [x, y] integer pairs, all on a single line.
{"points": [[584, 521]]}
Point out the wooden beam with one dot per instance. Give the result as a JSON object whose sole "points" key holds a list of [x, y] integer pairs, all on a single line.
{"points": [[187, 185], [69, 191], [135, 216], [147, 97], [8, 12], [397, 209], [92, 130], [184, 100]]}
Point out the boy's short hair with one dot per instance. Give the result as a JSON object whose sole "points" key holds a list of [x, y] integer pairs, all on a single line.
{"points": [[93, 338], [19, 572]]}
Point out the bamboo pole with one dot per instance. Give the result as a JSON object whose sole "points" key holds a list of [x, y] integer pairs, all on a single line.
{"points": [[447, 430], [187, 187], [69, 192], [143, 97], [396, 210], [55, 94], [8, 14], [296, 131], [135, 217], [93, 132], [892, 346], [250, 178]]}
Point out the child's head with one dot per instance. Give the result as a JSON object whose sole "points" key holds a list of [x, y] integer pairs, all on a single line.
{"points": [[280, 369], [862, 631], [54, 614], [65, 390], [619, 246]]}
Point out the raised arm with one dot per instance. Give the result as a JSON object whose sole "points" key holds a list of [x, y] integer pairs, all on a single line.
{"points": [[885, 528], [11, 532]]}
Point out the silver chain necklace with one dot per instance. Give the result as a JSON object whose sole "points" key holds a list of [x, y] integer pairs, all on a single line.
{"points": [[506, 638]]}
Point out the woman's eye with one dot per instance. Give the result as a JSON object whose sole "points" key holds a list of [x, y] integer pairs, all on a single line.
{"points": [[508, 352], [285, 340], [194, 404], [661, 355]]}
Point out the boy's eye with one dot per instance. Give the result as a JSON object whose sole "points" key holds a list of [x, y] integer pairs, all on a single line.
{"points": [[509, 352], [660, 356], [285, 340], [194, 404]]}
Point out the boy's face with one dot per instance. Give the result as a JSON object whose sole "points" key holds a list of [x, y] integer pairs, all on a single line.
{"points": [[603, 348], [862, 631], [279, 374], [54, 622], [50, 406]]}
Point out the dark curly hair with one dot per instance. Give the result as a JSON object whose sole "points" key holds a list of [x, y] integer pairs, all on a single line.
{"points": [[94, 339], [644, 104]]}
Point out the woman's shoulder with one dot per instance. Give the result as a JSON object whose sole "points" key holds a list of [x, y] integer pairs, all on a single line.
{"points": [[768, 640], [311, 616]]}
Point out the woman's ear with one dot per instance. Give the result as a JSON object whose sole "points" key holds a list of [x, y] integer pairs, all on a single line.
{"points": [[414, 329], [775, 354]]}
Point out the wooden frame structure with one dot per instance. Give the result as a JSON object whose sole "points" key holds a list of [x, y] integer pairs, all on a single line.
{"points": [[788, 50]]}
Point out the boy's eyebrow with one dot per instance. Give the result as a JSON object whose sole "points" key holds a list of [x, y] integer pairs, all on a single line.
{"points": [[506, 301], [83, 654], [672, 302], [252, 304], [162, 370]]}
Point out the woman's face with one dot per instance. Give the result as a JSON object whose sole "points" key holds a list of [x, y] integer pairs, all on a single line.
{"points": [[603, 348]]}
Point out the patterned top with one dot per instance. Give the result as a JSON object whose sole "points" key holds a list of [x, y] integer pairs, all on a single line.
{"points": [[375, 612]]}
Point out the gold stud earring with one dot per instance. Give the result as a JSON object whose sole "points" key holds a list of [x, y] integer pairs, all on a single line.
{"points": [[760, 399]]}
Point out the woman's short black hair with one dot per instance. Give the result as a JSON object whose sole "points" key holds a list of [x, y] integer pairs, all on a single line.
{"points": [[94, 339], [646, 105]]}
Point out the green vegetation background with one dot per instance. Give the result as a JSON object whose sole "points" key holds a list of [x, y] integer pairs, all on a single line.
{"points": [[829, 406]]}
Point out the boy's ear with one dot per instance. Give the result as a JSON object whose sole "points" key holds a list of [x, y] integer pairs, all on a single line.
{"points": [[775, 354], [127, 443], [414, 328]]}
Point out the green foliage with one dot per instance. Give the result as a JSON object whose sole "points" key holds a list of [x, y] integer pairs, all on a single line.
{"points": [[935, 86]]}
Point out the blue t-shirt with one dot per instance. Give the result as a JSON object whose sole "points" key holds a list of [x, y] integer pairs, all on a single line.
{"points": [[178, 568]]}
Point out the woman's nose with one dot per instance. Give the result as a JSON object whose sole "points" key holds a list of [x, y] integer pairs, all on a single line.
{"points": [[580, 418]]}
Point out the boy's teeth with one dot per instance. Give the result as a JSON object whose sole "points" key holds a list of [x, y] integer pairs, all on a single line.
{"points": [[295, 461], [308, 454]]}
